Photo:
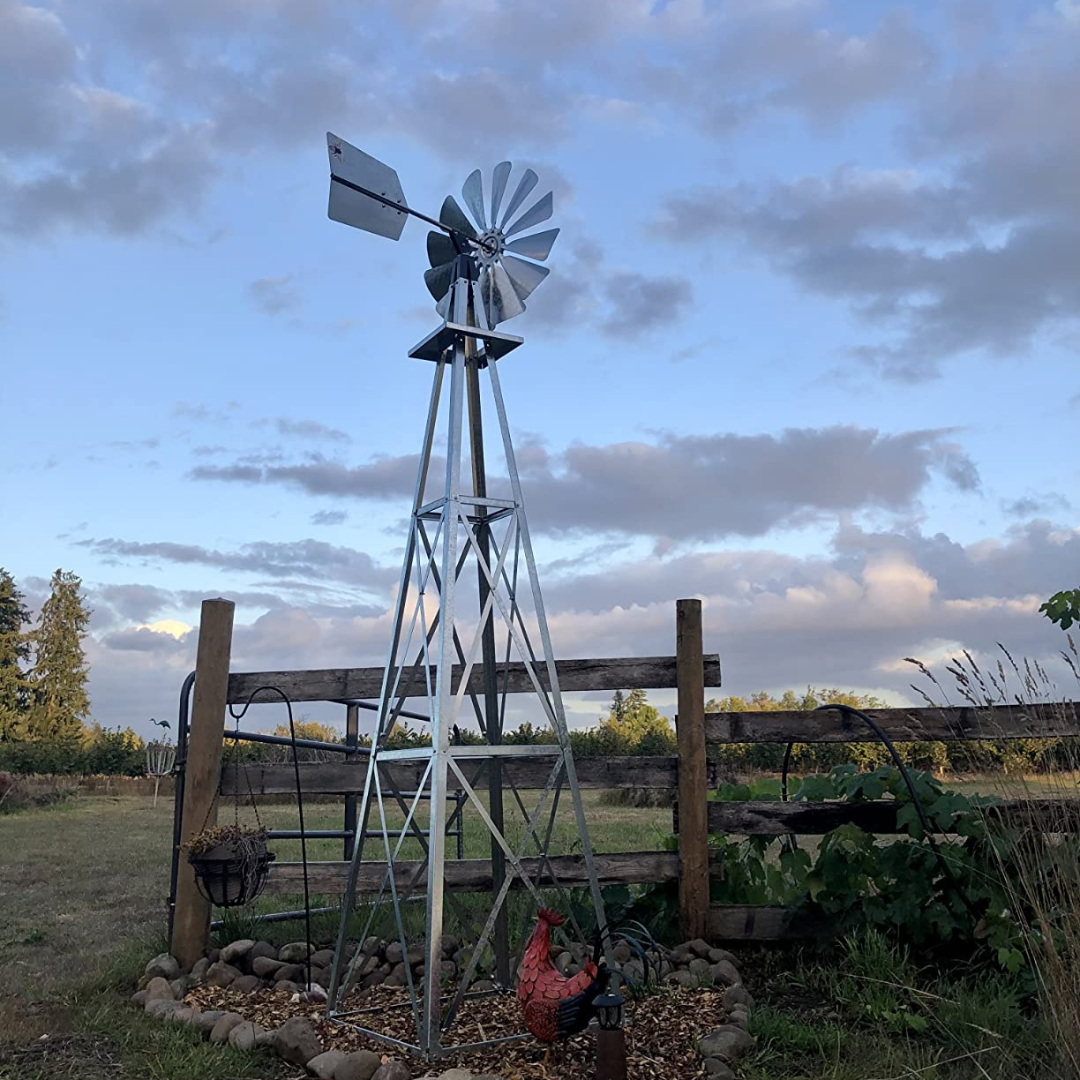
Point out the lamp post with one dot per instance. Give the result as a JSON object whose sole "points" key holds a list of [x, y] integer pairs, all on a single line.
{"points": [[610, 1039]]}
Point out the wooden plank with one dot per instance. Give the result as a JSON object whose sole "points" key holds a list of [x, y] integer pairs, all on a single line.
{"points": [[191, 919], [474, 875], [1056, 720], [575, 676], [769, 818], [690, 731], [341, 777], [754, 922]]}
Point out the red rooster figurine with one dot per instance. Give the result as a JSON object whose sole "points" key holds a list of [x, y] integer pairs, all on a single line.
{"points": [[554, 1006]]}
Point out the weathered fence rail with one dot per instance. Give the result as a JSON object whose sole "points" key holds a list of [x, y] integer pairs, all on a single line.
{"points": [[700, 736]]}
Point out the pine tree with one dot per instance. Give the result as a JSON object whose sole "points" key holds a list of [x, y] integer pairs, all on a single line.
{"points": [[58, 681], [618, 705], [14, 652]]}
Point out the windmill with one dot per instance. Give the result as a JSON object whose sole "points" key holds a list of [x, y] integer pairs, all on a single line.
{"points": [[469, 614]]}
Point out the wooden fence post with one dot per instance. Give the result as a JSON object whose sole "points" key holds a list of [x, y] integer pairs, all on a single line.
{"points": [[693, 794], [191, 923]]}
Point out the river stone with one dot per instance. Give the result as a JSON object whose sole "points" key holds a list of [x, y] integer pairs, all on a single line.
{"points": [[323, 1065], [415, 955], [391, 1070], [158, 989], [368, 966], [726, 1042], [449, 945], [222, 975], [219, 1033], [374, 979], [182, 1014], [716, 955], [681, 978], [297, 1041], [699, 968], [204, 1022], [262, 950], [563, 962], [235, 951], [738, 995], [161, 1007], [726, 973], [294, 952], [359, 1065], [482, 985], [245, 1035], [287, 985], [139, 999], [681, 956], [265, 967], [456, 1074], [163, 966], [699, 947], [292, 972], [718, 1070], [373, 945], [199, 969], [740, 1018], [247, 984], [394, 952], [322, 958], [622, 953]]}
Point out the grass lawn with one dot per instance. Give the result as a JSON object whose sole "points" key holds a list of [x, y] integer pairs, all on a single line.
{"points": [[82, 905]]}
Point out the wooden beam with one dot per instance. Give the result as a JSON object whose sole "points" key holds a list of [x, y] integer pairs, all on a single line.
{"points": [[191, 921], [690, 731], [474, 875], [1056, 720], [338, 777], [575, 676], [760, 922]]}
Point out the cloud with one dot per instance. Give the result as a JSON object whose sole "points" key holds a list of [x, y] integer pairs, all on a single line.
{"points": [[329, 517], [744, 485], [273, 295], [304, 429]]}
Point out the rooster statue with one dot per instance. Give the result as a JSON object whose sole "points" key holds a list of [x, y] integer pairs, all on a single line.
{"points": [[556, 1007]]}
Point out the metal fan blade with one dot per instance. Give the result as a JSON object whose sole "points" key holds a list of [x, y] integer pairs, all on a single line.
{"points": [[472, 191], [500, 299], [443, 306], [351, 207], [440, 248], [539, 211], [438, 278], [525, 275], [525, 185], [537, 246], [500, 174], [454, 217]]}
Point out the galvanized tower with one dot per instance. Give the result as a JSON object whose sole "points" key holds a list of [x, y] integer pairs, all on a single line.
{"points": [[469, 596]]}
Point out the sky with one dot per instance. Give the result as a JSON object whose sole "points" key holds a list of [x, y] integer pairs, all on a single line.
{"points": [[808, 350]]}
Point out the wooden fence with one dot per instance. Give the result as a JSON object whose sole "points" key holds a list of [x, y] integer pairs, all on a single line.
{"points": [[689, 671]]}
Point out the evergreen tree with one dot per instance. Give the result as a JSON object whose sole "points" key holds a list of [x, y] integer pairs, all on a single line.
{"points": [[14, 652], [58, 681], [618, 705]]}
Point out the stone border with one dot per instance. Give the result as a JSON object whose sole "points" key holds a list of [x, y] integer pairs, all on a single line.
{"points": [[249, 966]]}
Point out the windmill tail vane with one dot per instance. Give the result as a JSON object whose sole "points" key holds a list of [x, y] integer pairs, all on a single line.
{"points": [[469, 617]]}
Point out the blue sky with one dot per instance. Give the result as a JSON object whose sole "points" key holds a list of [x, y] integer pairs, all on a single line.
{"points": [[808, 349]]}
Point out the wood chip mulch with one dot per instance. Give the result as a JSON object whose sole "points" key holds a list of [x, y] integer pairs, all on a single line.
{"points": [[662, 1031]]}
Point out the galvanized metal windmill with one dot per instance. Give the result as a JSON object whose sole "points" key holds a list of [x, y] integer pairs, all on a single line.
{"points": [[469, 593]]}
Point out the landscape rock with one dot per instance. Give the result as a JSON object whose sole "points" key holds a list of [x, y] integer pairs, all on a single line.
{"points": [[726, 973], [415, 955], [394, 953], [182, 1014], [287, 985], [158, 989], [699, 968], [163, 966], [199, 969], [456, 1074], [374, 979], [179, 986], [738, 995], [322, 958], [235, 951], [139, 999], [372, 946], [740, 1018], [245, 1035], [293, 972], [219, 1033], [563, 962], [221, 975], [718, 1069], [297, 1041], [266, 967], [325, 1064], [699, 947], [716, 955], [359, 1065], [213, 955], [159, 1008], [262, 949], [391, 1070], [726, 1043], [204, 1022], [449, 945], [247, 984], [294, 952], [482, 985], [681, 978], [681, 955], [622, 953]]}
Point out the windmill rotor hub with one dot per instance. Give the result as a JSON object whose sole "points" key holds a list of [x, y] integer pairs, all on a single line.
{"points": [[492, 244]]}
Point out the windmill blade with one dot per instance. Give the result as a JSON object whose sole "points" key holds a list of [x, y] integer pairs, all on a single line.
{"points": [[438, 279], [524, 275], [472, 191], [454, 217], [525, 185], [537, 246], [350, 165], [497, 291], [443, 306], [440, 248], [499, 175], [539, 211]]}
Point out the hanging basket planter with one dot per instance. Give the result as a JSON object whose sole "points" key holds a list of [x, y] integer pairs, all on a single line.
{"points": [[230, 863]]}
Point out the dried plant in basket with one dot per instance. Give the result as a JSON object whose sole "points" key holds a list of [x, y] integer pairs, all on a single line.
{"points": [[230, 863]]}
